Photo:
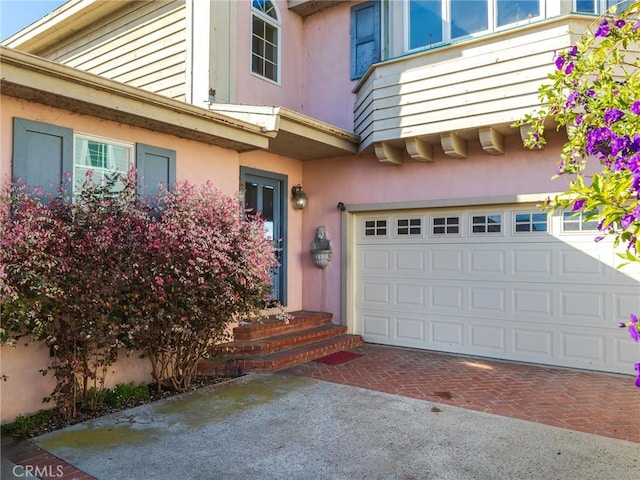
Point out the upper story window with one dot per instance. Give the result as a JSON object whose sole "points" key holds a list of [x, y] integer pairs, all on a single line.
{"points": [[107, 160], [432, 22], [265, 33], [600, 6]]}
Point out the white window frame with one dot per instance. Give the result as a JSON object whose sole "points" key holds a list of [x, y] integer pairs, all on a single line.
{"points": [[276, 24], [445, 234], [411, 225], [486, 233], [492, 24], [530, 223], [377, 227], [577, 218], [99, 172]]}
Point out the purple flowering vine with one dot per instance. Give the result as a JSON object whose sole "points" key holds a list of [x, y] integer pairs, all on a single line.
{"points": [[603, 28], [612, 115], [594, 94]]}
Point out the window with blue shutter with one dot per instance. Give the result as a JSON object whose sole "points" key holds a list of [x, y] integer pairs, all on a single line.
{"points": [[43, 154], [365, 37]]}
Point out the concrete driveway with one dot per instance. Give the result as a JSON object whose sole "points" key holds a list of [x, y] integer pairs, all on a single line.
{"points": [[280, 426]]}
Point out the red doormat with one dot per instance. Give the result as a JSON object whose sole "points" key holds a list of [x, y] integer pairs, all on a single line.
{"points": [[338, 357]]}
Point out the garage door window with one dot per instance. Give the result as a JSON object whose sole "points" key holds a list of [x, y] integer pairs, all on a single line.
{"points": [[531, 223], [409, 226], [575, 222], [446, 226], [482, 224], [375, 228]]}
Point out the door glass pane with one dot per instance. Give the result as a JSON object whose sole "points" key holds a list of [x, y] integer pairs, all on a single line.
{"points": [[268, 211], [425, 23], [251, 198], [468, 16]]}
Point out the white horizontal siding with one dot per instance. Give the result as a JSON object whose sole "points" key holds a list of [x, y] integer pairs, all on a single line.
{"points": [[143, 45], [474, 84]]}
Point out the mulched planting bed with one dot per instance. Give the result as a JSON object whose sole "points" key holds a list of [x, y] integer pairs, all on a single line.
{"points": [[52, 420]]}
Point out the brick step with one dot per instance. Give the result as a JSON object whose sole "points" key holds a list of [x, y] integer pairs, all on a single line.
{"points": [[232, 366], [264, 346], [271, 326]]}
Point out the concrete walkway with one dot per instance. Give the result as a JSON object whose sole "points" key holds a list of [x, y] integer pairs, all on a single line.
{"points": [[283, 426]]}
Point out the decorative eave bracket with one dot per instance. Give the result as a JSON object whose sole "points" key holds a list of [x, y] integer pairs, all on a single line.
{"points": [[389, 154], [419, 150], [491, 140], [453, 145]]}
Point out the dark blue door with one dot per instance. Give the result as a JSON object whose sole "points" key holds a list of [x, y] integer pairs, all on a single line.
{"points": [[265, 193]]}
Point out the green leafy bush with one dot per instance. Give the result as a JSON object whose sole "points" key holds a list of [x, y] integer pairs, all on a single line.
{"points": [[125, 393]]}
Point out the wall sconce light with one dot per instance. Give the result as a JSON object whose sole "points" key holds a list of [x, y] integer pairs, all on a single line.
{"points": [[299, 198]]}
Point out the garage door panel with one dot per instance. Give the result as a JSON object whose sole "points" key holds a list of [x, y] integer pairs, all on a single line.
{"points": [[583, 346], [487, 300], [373, 293], [625, 301], [581, 307], [410, 261], [532, 304], [446, 298], [411, 330], [376, 261], [376, 327], [547, 298], [532, 262], [576, 264], [533, 344], [447, 334], [410, 295], [625, 353], [446, 262], [488, 339], [487, 263]]}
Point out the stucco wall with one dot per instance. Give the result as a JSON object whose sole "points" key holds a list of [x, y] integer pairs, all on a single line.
{"points": [[321, 39], [254, 90], [363, 180], [328, 90], [196, 162]]}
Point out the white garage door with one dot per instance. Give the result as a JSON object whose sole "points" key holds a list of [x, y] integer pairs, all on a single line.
{"points": [[503, 282]]}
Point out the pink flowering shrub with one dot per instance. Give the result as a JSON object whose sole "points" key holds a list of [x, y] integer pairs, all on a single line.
{"points": [[60, 269], [202, 266], [107, 272]]}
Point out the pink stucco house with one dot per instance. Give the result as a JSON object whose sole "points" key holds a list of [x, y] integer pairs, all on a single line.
{"points": [[395, 118]]}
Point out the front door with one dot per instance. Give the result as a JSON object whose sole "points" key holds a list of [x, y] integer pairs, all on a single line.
{"points": [[265, 192]]}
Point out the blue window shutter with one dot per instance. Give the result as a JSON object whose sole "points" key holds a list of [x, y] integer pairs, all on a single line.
{"points": [[42, 154], [365, 37], [155, 166]]}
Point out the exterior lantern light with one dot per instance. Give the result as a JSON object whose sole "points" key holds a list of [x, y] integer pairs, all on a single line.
{"points": [[299, 198]]}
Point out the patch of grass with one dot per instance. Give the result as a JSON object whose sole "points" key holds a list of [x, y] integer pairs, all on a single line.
{"points": [[26, 426], [120, 397], [125, 393]]}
